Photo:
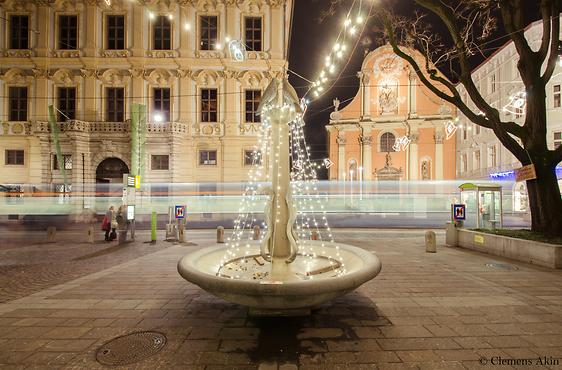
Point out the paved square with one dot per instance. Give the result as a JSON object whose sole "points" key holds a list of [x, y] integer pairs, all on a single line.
{"points": [[424, 311]]}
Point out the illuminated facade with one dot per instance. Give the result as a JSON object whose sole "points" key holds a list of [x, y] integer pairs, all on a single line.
{"points": [[92, 61], [480, 155], [393, 129]]}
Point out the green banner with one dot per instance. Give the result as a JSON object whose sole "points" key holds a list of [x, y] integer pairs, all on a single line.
{"points": [[56, 141], [138, 139]]}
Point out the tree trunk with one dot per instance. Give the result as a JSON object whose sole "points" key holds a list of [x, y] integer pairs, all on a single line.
{"points": [[544, 199]]}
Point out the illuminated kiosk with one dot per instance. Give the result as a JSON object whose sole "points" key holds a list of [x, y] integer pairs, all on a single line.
{"points": [[283, 272], [483, 205]]}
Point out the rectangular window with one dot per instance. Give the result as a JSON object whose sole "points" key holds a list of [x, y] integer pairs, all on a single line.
{"points": [[557, 100], [252, 157], [160, 162], [161, 103], [162, 33], [14, 157], [115, 32], [208, 28], [493, 83], [67, 160], [67, 103], [557, 139], [68, 32], [477, 129], [209, 105], [492, 155], [19, 32], [207, 157], [253, 98], [464, 163], [477, 160], [115, 104], [253, 33], [18, 103]]}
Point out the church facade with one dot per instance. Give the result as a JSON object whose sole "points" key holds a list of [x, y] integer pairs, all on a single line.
{"points": [[394, 128]]}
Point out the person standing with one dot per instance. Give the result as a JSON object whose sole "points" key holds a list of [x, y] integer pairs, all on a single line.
{"points": [[108, 224]]}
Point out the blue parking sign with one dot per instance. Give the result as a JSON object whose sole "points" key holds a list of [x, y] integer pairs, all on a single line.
{"points": [[180, 212]]}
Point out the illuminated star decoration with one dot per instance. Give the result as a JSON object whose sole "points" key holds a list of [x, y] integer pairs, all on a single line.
{"points": [[401, 143], [517, 103], [237, 50], [450, 129]]}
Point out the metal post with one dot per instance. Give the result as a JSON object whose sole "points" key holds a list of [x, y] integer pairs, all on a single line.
{"points": [[153, 220]]}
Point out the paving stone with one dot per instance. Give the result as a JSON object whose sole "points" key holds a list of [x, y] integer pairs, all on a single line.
{"points": [[443, 312]]}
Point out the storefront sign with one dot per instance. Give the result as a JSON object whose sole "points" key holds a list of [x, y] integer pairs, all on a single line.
{"points": [[525, 173]]}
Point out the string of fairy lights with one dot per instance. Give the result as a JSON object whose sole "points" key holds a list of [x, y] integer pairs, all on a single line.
{"points": [[310, 222]]}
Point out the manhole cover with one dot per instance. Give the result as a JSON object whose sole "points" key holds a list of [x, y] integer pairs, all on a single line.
{"points": [[501, 266], [130, 348]]}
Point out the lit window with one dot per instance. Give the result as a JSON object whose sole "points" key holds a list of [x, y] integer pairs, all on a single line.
{"points": [[557, 139]]}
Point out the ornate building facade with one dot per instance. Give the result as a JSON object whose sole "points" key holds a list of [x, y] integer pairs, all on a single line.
{"points": [[92, 59], [394, 128]]}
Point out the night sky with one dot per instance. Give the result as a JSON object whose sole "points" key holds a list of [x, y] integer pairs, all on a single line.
{"points": [[312, 39]]}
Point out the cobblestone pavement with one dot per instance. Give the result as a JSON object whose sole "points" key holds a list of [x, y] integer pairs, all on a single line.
{"points": [[424, 311], [27, 267]]}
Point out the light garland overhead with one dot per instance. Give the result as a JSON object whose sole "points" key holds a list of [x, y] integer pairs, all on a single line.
{"points": [[351, 25]]}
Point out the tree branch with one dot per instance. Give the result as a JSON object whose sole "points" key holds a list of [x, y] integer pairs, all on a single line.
{"points": [[554, 42], [546, 28]]}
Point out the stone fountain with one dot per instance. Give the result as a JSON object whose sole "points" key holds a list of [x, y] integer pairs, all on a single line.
{"points": [[281, 274]]}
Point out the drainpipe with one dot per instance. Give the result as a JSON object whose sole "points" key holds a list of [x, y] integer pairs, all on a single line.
{"points": [[408, 129], [362, 131]]}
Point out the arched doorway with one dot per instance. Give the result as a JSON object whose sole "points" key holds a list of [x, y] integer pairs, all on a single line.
{"points": [[111, 170]]}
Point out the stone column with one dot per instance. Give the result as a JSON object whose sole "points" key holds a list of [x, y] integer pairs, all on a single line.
{"points": [[439, 170], [341, 155], [414, 165], [366, 101], [93, 25], [138, 31], [44, 13], [367, 154], [91, 112], [412, 111]]}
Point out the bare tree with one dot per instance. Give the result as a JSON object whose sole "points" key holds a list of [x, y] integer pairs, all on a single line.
{"points": [[469, 24]]}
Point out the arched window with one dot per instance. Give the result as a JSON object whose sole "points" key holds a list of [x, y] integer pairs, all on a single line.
{"points": [[387, 142]]}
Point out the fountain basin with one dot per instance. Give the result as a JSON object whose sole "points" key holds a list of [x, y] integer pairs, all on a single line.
{"points": [[268, 296]]}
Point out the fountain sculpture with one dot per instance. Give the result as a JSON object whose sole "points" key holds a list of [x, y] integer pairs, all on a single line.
{"points": [[292, 267]]}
